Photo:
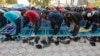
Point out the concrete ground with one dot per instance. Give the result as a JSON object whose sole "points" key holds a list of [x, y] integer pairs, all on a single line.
{"points": [[11, 48]]}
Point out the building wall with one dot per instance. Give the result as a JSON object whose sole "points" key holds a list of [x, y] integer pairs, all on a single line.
{"points": [[69, 2], [25, 2]]}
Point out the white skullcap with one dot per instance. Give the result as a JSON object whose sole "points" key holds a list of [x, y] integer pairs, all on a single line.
{"points": [[89, 15]]}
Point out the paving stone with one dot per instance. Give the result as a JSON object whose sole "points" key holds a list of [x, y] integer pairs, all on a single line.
{"points": [[48, 54], [19, 55], [30, 50], [83, 53], [65, 54], [63, 48], [48, 49], [29, 55], [74, 54], [14, 51], [56, 54], [4, 51], [22, 50], [91, 53], [39, 54]]}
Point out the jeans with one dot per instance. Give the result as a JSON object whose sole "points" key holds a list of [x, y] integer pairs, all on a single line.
{"points": [[67, 22], [25, 22], [56, 30], [76, 30], [19, 25], [94, 28], [88, 24], [37, 25]]}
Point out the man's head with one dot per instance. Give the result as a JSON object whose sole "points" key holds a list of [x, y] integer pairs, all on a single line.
{"points": [[23, 13], [67, 15]]}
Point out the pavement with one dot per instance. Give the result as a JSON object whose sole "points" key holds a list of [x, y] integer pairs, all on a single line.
{"points": [[13, 48]]}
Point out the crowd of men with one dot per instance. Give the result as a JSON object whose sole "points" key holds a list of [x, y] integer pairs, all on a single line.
{"points": [[72, 17]]}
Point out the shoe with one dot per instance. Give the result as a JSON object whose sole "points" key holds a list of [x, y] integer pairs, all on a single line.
{"points": [[92, 43], [12, 39], [6, 39], [31, 42], [82, 40], [65, 42], [50, 39], [25, 40], [8, 35], [39, 46], [44, 42], [93, 39], [56, 42], [76, 39], [37, 39]]}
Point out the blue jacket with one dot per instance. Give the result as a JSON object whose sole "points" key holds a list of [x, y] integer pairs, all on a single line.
{"points": [[11, 16], [55, 16]]}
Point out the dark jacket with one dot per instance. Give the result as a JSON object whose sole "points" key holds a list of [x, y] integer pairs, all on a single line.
{"points": [[94, 17], [55, 16], [3, 20], [75, 17]]}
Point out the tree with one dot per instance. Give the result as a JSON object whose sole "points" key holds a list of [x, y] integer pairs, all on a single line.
{"points": [[40, 2], [11, 1], [2, 2], [45, 2]]}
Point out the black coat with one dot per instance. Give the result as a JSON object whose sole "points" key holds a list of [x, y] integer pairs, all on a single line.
{"points": [[3, 21], [94, 17], [75, 17]]}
